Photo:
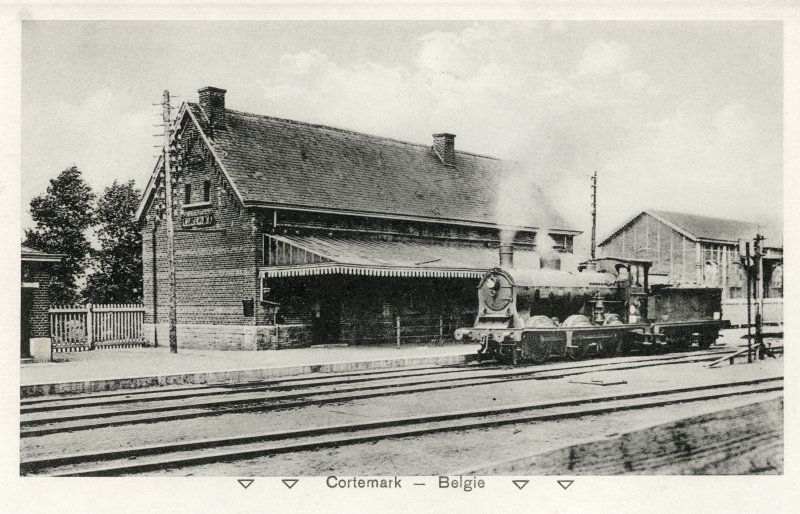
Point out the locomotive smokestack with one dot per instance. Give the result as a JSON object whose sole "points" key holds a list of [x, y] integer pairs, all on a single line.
{"points": [[506, 256]]}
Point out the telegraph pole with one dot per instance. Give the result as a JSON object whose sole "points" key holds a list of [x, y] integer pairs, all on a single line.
{"points": [[594, 212], [758, 294], [173, 301], [749, 273]]}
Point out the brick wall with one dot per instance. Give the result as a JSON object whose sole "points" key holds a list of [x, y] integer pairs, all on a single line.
{"points": [[218, 249], [215, 258], [39, 318]]}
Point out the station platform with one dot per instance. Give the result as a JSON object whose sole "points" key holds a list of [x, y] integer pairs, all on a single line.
{"points": [[113, 369], [116, 369]]}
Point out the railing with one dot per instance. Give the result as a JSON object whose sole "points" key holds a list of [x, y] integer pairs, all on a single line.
{"points": [[735, 311], [89, 327], [402, 330]]}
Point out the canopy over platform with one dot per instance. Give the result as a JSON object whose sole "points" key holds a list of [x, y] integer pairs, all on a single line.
{"points": [[294, 256]]}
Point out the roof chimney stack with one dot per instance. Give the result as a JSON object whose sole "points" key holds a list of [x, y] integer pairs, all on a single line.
{"points": [[445, 148], [212, 101]]}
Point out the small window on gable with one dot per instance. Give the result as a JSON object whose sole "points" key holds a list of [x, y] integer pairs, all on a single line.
{"points": [[187, 193], [207, 191]]}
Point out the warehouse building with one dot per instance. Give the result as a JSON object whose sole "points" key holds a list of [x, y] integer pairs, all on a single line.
{"points": [[691, 249], [292, 234]]}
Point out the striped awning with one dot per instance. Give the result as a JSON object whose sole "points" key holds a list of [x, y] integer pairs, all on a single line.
{"points": [[316, 255], [345, 269]]}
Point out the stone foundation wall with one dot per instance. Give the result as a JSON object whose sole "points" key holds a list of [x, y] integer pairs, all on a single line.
{"points": [[282, 337], [232, 337]]}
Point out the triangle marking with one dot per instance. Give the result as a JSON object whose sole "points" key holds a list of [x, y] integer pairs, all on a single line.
{"points": [[520, 483], [565, 483], [245, 482], [289, 482]]}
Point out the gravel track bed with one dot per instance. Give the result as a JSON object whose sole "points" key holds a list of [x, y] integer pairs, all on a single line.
{"points": [[303, 389], [432, 402], [451, 452]]}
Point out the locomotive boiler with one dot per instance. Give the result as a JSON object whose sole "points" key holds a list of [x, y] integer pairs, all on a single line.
{"points": [[606, 307]]}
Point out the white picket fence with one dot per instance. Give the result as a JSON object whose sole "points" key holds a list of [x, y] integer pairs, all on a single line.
{"points": [[735, 311], [75, 328]]}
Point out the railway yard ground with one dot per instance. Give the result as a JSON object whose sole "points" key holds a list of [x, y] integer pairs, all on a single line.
{"points": [[380, 419]]}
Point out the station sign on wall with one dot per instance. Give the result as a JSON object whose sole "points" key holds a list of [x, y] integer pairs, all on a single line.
{"points": [[197, 220]]}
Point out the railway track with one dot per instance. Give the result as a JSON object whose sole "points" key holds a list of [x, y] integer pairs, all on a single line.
{"points": [[68, 414], [173, 456], [126, 396]]}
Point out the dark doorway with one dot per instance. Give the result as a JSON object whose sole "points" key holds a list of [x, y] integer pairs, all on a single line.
{"points": [[326, 321], [25, 323]]}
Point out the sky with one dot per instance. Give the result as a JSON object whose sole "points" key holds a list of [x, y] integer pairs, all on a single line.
{"points": [[683, 116]]}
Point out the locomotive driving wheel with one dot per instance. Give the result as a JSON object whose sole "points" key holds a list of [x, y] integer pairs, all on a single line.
{"points": [[540, 350], [575, 347]]}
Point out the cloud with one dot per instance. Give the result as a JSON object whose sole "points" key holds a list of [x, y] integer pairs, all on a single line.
{"points": [[603, 58], [560, 102], [103, 136], [704, 163], [304, 63], [446, 53], [559, 121], [556, 123], [634, 80]]}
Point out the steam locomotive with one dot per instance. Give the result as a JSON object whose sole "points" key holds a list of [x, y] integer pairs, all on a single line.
{"points": [[607, 306]]}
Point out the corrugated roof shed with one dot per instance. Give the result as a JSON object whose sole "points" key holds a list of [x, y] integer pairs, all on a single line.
{"points": [[417, 255]]}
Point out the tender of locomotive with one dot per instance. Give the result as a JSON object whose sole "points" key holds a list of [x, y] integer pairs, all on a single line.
{"points": [[604, 308]]}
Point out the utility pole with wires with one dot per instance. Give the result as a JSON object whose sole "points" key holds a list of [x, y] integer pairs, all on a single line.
{"points": [[594, 213], [173, 299], [758, 294]]}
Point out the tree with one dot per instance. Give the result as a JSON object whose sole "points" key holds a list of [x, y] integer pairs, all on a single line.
{"points": [[117, 268], [62, 216]]}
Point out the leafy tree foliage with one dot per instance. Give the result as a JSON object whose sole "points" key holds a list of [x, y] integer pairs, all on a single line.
{"points": [[62, 216], [117, 267]]}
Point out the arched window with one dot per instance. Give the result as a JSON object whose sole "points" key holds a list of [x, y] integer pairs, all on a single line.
{"points": [[776, 282], [711, 273], [736, 279], [735, 275]]}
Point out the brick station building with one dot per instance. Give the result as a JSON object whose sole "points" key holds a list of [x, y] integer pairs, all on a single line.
{"points": [[292, 234]]}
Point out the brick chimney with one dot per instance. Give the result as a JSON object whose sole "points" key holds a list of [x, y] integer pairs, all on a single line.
{"points": [[212, 101], [445, 148]]}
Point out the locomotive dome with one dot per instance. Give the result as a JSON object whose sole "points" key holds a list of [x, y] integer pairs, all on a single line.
{"points": [[550, 259]]}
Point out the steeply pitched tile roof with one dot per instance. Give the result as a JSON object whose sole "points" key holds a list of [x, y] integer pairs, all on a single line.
{"points": [[284, 163], [711, 229]]}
